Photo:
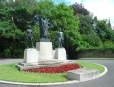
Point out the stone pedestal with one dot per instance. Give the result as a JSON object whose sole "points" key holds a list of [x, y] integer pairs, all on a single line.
{"points": [[60, 54], [82, 74], [45, 50], [31, 55]]}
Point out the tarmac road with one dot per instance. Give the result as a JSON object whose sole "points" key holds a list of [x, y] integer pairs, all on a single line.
{"points": [[104, 81]]}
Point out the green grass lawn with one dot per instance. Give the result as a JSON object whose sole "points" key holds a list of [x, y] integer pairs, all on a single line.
{"points": [[9, 72], [91, 65]]}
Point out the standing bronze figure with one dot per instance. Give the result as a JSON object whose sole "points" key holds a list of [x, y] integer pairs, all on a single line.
{"points": [[29, 36], [60, 39], [44, 24]]}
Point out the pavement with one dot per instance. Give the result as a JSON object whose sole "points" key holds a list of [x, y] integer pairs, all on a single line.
{"points": [[104, 81]]}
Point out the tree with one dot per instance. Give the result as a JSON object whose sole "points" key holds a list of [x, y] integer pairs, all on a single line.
{"points": [[29, 4], [64, 18], [2, 5], [21, 16], [79, 9], [44, 7], [87, 31], [102, 30], [10, 37], [109, 24], [85, 24]]}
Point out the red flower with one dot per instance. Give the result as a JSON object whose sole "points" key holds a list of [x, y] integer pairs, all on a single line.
{"points": [[58, 69]]}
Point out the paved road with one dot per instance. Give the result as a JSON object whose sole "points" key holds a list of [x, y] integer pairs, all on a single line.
{"points": [[105, 81]]}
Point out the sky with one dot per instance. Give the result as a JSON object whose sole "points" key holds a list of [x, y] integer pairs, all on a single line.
{"points": [[103, 9]]}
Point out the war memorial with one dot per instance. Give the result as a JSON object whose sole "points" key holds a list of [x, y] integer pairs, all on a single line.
{"points": [[44, 56]]}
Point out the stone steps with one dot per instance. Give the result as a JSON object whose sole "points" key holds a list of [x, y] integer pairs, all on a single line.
{"points": [[43, 63]]}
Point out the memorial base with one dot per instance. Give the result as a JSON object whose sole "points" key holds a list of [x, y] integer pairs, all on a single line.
{"points": [[31, 55], [45, 50], [60, 54], [43, 64]]}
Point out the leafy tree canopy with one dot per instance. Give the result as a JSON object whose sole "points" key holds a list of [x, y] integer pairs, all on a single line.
{"points": [[79, 9]]}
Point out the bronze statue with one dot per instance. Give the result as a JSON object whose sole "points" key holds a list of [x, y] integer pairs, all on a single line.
{"points": [[44, 25], [29, 36], [60, 39]]}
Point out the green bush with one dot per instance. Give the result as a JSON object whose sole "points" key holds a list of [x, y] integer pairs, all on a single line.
{"points": [[7, 53], [18, 53], [108, 44], [104, 52]]}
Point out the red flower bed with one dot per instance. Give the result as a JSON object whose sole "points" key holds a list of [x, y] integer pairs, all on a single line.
{"points": [[59, 69]]}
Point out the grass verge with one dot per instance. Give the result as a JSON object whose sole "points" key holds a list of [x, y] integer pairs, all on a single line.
{"points": [[9, 72], [91, 65]]}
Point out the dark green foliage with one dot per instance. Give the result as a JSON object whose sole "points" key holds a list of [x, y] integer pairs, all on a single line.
{"points": [[93, 40], [79, 9], [44, 7], [2, 5], [4, 14], [10, 39], [13, 21], [87, 32], [81, 31], [63, 18], [21, 16], [102, 30], [53, 35], [85, 24]]}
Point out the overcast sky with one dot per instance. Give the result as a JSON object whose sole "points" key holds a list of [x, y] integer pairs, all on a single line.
{"points": [[103, 9]]}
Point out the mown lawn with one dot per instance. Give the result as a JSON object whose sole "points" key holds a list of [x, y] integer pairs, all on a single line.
{"points": [[10, 72], [91, 65]]}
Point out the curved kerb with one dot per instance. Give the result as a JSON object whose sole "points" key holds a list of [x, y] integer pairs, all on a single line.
{"points": [[53, 84]]}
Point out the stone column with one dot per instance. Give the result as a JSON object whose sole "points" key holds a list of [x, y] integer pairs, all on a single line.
{"points": [[45, 50]]}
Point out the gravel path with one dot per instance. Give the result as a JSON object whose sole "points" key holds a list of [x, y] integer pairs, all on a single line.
{"points": [[104, 81]]}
